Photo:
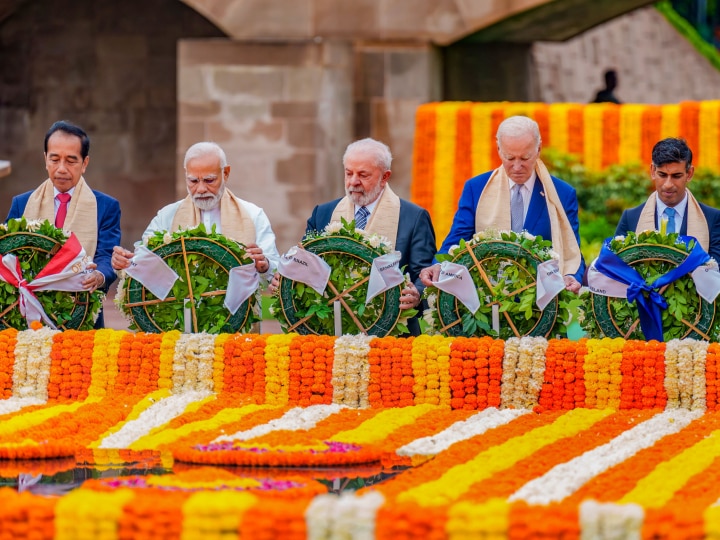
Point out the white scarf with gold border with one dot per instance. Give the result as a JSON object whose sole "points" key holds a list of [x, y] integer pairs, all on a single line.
{"points": [[81, 215], [493, 212], [383, 221]]}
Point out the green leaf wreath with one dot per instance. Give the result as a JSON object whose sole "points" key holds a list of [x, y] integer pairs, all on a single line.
{"points": [[502, 265], [349, 252], [202, 260], [652, 254], [34, 243]]}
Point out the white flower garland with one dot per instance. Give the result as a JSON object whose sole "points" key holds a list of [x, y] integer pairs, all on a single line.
{"points": [[348, 516], [566, 478], [193, 363], [294, 420], [610, 520], [351, 371], [523, 371], [459, 431], [31, 370], [685, 374], [154, 416]]}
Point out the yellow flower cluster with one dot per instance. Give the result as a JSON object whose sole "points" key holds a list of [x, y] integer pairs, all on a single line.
{"points": [[277, 373], [603, 374]]}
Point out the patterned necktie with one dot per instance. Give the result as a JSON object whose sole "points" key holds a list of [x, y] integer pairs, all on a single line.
{"points": [[64, 199], [670, 213], [516, 209], [361, 217]]}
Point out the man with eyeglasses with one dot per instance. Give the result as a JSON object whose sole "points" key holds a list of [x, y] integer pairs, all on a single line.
{"points": [[519, 195], [211, 203]]}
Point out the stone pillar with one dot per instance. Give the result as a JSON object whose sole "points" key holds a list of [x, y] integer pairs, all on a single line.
{"points": [[281, 112], [391, 81]]}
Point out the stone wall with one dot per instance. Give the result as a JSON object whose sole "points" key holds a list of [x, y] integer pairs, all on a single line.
{"points": [[285, 111], [110, 67], [655, 64]]}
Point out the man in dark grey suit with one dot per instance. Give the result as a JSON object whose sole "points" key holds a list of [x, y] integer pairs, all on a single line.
{"points": [[375, 208], [671, 170]]}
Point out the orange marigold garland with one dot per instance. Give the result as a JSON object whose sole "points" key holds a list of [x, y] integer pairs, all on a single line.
{"points": [[71, 363], [711, 376], [561, 371], [8, 340]]}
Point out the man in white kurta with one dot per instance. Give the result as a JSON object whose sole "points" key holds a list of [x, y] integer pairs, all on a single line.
{"points": [[211, 203]]}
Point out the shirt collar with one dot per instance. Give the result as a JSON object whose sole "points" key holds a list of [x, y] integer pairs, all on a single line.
{"points": [[69, 191], [371, 207], [679, 207], [530, 184]]}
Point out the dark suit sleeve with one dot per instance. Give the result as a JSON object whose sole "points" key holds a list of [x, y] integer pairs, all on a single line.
{"points": [[463, 226], [312, 222], [570, 204], [422, 248], [624, 226], [15, 210], [108, 237], [714, 231]]}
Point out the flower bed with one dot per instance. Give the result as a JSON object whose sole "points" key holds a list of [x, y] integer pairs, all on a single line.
{"points": [[507, 438]]}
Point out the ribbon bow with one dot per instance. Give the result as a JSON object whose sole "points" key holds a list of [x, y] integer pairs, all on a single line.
{"points": [[64, 272], [650, 302]]}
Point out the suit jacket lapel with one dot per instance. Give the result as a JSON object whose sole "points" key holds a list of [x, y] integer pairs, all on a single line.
{"points": [[538, 207]]}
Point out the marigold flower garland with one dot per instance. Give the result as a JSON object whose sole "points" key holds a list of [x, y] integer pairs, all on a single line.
{"points": [[603, 373], [8, 343], [277, 368], [523, 371]]}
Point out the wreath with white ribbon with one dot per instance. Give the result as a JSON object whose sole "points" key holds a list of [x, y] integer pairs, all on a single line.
{"points": [[192, 281], [502, 284], [341, 280]]}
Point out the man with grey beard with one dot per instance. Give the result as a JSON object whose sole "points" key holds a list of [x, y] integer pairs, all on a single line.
{"points": [[376, 209], [211, 203]]}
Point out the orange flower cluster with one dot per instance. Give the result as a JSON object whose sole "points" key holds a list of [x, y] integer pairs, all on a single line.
{"points": [[643, 373], [244, 370], [8, 340], [71, 362], [139, 363], [23, 515], [391, 374], [476, 371], [564, 383], [712, 364], [311, 359]]}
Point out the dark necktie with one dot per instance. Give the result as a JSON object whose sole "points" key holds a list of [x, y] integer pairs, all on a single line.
{"points": [[361, 217], [64, 199]]}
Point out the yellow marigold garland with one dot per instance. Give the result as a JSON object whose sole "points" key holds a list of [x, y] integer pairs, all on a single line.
{"points": [[277, 369]]}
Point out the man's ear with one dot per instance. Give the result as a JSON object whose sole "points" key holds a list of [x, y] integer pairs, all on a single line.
{"points": [[226, 172], [691, 171], [386, 176]]}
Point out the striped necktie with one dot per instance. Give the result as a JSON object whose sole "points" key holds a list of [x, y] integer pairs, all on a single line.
{"points": [[361, 216]]}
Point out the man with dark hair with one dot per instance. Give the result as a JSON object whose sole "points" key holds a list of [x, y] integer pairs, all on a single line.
{"points": [[606, 95], [671, 170], [66, 200]]}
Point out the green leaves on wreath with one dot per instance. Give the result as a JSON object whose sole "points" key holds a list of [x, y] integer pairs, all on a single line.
{"points": [[208, 264], [32, 242]]}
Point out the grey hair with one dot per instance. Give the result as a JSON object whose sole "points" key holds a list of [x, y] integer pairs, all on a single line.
{"points": [[517, 126], [381, 151], [203, 148]]}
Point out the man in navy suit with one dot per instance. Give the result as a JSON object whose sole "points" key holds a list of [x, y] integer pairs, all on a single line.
{"points": [[519, 195], [93, 216], [671, 171], [407, 225]]}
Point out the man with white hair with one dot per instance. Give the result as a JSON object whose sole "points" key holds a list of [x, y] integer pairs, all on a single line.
{"points": [[211, 203], [377, 209], [519, 195]]}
